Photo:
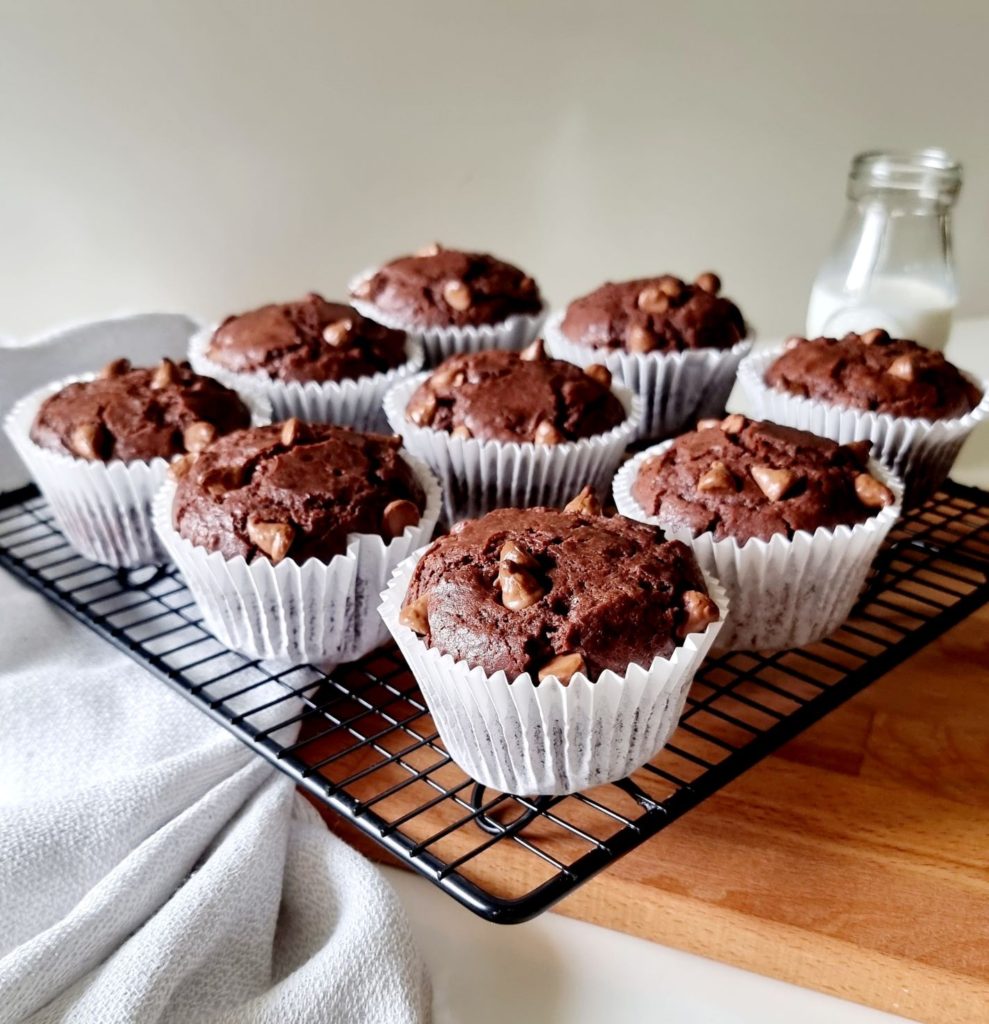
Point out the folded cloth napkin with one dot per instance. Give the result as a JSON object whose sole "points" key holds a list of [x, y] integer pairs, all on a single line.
{"points": [[151, 867]]}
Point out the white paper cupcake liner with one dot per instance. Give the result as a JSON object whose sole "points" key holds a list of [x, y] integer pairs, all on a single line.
{"points": [[783, 592], [676, 388], [543, 738], [323, 613], [479, 475], [103, 508], [348, 403], [440, 343], [920, 452]]}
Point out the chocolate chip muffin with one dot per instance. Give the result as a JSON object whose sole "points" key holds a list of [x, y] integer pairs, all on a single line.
{"points": [[875, 372], [655, 314], [308, 340], [744, 479], [508, 396], [439, 287], [294, 490], [535, 590], [134, 414]]}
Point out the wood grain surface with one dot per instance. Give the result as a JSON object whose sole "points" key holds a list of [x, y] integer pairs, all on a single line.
{"points": [[854, 861]]}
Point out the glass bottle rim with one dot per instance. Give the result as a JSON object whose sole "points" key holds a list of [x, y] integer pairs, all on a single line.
{"points": [[932, 173]]}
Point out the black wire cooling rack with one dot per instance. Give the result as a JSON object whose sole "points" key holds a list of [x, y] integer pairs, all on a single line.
{"points": [[362, 742]]}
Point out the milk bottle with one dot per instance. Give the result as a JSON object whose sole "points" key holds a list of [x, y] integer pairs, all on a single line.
{"points": [[891, 264]]}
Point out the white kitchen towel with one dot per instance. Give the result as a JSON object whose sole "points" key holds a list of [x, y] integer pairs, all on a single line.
{"points": [[153, 870]]}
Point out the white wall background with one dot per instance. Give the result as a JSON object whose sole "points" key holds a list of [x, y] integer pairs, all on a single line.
{"points": [[206, 156]]}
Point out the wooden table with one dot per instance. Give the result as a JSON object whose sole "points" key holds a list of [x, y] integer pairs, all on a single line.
{"points": [[854, 861]]}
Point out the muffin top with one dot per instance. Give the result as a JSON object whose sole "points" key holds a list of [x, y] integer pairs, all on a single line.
{"points": [[516, 396], [440, 287], [655, 314], [138, 414], [535, 590], [744, 478], [877, 372], [294, 489], [311, 339]]}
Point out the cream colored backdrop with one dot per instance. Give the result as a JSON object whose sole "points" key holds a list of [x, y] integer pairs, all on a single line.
{"points": [[205, 156]]}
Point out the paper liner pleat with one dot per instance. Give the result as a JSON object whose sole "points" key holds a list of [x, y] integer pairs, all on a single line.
{"points": [[920, 452], [783, 592], [527, 737], [318, 612], [349, 403], [478, 475], [103, 508], [676, 388]]}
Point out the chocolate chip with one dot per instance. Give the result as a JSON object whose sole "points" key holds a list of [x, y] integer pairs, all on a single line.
{"points": [[584, 504], [871, 337], [564, 667], [513, 552], [398, 515], [546, 433], [180, 466], [117, 368], [903, 367], [733, 424], [652, 299], [599, 373], [792, 342], [462, 431], [700, 611], [774, 483], [709, 424], [422, 409], [859, 450], [273, 539], [164, 376], [708, 282], [671, 286], [457, 295], [293, 430], [433, 249], [414, 615], [519, 588], [640, 339], [362, 290], [337, 334], [534, 351], [447, 377], [871, 492], [89, 441], [221, 479], [197, 435], [718, 477]]}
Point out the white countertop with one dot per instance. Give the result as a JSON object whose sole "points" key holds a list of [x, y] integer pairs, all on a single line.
{"points": [[555, 970]]}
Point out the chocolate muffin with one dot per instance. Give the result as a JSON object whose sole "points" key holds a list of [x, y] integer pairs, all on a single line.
{"points": [[535, 590], [294, 490], [511, 396], [655, 314], [138, 414], [742, 478], [440, 287], [308, 340], [876, 372]]}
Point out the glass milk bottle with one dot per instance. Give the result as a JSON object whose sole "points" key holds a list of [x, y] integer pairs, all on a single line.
{"points": [[891, 265]]}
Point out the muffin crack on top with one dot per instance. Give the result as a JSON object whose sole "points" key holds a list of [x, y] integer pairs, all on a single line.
{"points": [[535, 590], [523, 397], [655, 314], [294, 490], [438, 287], [875, 372], [748, 479]]}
